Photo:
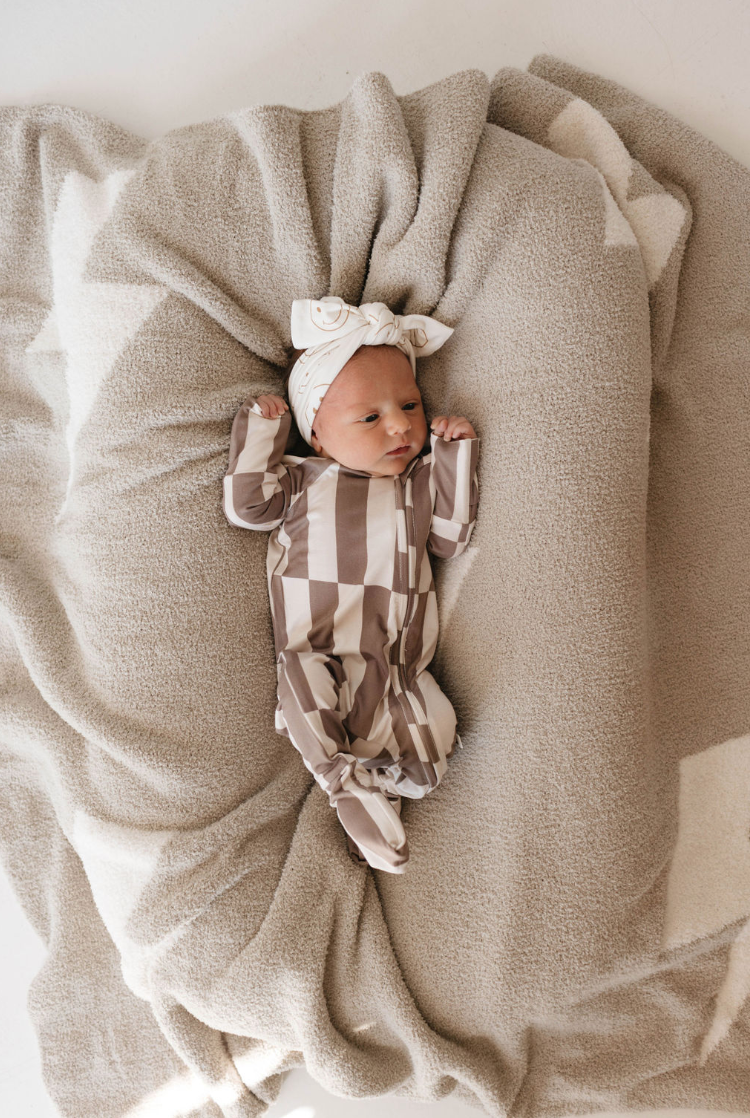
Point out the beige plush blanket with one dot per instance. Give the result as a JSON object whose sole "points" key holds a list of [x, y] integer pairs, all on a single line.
{"points": [[573, 934]]}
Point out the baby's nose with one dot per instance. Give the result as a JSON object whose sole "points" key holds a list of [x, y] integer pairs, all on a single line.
{"points": [[400, 422]]}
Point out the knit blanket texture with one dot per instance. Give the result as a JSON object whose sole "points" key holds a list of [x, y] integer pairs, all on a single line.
{"points": [[573, 932]]}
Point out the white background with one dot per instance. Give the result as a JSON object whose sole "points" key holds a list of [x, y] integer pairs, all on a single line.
{"points": [[151, 65]]}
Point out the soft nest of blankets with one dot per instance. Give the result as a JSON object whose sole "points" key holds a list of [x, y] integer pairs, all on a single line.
{"points": [[572, 934]]}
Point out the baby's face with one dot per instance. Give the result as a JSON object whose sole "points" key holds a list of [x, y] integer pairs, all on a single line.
{"points": [[372, 407]]}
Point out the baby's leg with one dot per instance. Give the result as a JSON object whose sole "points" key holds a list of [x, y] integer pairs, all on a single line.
{"points": [[309, 688]]}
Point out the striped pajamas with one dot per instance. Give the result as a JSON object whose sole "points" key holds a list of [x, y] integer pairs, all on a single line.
{"points": [[355, 616]]}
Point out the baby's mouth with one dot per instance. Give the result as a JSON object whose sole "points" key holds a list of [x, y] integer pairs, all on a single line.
{"points": [[400, 449]]}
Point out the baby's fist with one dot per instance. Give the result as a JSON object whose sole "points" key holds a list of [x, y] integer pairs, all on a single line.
{"points": [[453, 427], [272, 406]]}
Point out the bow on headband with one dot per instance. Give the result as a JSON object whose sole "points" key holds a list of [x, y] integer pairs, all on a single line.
{"points": [[331, 331]]}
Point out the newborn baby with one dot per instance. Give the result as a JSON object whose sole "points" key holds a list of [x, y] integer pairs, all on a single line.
{"points": [[350, 583]]}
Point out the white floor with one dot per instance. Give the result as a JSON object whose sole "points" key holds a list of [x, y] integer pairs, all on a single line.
{"points": [[150, 69]]}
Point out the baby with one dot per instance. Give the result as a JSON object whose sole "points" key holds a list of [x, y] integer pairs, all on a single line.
{"points": [[350, 582]]}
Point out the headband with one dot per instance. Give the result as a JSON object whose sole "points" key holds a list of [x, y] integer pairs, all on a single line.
{"points": [[331, 331]]}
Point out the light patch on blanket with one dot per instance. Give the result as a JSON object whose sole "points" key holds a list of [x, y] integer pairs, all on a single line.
{"points": [[452, 577], [119, 862], [734, 990], [181, 1097], [259, 1062], [581, 134], [90, 322], [709, 879]]}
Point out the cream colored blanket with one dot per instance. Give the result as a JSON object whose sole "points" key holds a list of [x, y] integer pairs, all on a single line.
{"points": [[574, 931]]}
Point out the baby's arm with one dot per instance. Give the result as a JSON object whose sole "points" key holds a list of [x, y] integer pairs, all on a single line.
{"points": [[454, 456], [258, 487]]}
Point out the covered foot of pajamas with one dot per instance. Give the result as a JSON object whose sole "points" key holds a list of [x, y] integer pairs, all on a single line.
{"points": [[395, 860]]}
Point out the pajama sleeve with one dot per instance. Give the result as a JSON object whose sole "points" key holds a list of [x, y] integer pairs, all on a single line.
{"points": [[453, 482], [258, 487], [309, 685]]}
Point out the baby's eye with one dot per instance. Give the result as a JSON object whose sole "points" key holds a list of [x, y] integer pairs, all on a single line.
{"points": [[374, 415]]}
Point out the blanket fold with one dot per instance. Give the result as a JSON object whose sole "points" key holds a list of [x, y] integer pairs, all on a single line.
{"points": [[571, 934]]}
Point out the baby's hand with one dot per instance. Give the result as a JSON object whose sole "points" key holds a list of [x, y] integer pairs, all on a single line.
{"points": [[272, 406], [453, 427]]}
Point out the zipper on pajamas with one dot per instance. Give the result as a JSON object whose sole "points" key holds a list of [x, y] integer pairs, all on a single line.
{"points": [[412, 700]]}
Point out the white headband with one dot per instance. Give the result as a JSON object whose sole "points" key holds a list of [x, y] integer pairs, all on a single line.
{"points": [[331, 331]]}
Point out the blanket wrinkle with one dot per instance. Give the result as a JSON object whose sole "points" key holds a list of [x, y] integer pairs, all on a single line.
{"points": [[273, 138], [201, 914], [383, 143], [206, 1053], [660, 218], [181, 277], [143, 927]]}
